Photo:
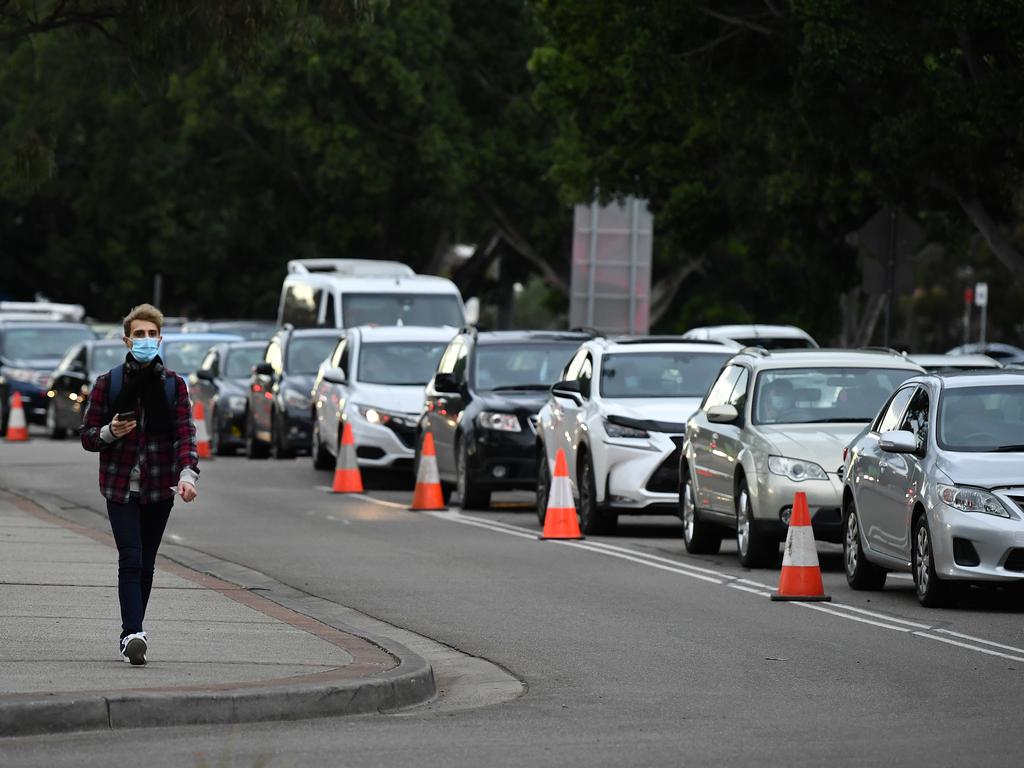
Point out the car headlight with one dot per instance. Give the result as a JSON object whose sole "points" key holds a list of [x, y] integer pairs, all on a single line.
{"points": [[373, 415], [796, 470], [237, 403], [972, 500], [618, 430], [24, 375], [502, 422], [293, 398]]}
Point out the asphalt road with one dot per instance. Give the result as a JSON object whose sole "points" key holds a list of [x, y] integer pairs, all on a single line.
{"points": [[632, 652]]}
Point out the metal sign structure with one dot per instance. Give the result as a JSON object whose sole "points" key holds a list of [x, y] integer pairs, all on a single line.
{"points": [[611, 267]]}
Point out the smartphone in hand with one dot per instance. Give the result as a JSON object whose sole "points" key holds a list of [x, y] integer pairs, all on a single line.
{"points": [[126, 416]]}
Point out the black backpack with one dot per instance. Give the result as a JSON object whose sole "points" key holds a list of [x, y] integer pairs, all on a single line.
{"points": [[117, 381]]}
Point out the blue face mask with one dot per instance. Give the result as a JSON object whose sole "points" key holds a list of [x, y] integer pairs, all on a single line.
{"points": [[144, 350]]}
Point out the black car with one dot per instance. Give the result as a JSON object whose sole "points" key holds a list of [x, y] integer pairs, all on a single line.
{"points": [[279, 417], [221, 384], [72, 380], [481, 408], [29, 351]]}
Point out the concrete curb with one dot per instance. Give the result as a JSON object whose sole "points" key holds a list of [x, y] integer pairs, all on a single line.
{"points": [[409, 683]]}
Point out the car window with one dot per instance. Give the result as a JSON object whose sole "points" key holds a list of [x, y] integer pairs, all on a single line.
{"points": [[400, 309], [531, 365], [982, 419], [738, 396], [459, 369], [823, 395], [305, 353], [106, 357], [916, 418], [723, 387], [398, 363], [674, 373], [41, 343], [184, 357], [447, 364], [300, 305], [330, 318], [241, 361], [891, 418], [210, 363], [273, 356], [572, 368], [586, 376]]}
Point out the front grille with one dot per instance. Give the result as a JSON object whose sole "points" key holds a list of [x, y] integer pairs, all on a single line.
{"points": [[1015, 560], [1019, 501], [406, 434], [665, 478]]}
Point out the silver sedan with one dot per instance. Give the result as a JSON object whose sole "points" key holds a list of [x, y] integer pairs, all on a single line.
{"points": [[936, 486]]}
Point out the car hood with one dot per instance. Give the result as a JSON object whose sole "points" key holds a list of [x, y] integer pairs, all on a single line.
{"points": [[671, 413], [234, 386], [821, 443], [387, 397], [513, 401], [303, 382], [35, 363], [988, 470]]}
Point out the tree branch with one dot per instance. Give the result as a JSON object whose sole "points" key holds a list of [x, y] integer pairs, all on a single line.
{"points": [[663, 293], [511, 235], [738, 21]]}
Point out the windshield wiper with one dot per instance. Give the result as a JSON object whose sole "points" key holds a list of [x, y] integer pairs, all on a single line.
{"points": [[836, 420], [1009, 448], [510, 387]]}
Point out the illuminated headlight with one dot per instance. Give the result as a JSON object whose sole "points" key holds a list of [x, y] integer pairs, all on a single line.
{"points": [[972, 500], [373, 415], [237, 403], [618, 430], [501, 422], [293, 398], [796, 470]]}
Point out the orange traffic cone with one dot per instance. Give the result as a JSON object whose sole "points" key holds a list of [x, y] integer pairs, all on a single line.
{"points": [[202, 434], [347, 478], [17, 428], [801, 576], [560, 519], [428, 494]]}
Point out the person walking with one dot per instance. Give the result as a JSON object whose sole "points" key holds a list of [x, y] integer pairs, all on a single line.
{"points": [[139, 419]]}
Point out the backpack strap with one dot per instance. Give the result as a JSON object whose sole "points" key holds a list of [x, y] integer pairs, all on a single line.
{"points": [[116, 381], [171, 389]]}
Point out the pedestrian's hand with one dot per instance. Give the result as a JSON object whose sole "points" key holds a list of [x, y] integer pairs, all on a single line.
{"points": [[121, 428], [187, 491]]}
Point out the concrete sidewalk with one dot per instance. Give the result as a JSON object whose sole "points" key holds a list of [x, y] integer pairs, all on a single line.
{"points": [[218, 653]]}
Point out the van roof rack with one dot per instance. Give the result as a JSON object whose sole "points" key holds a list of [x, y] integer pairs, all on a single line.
{"points": [[759, 351], [350, 268]]}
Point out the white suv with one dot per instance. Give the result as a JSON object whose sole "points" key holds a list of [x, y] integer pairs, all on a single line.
{"points": [[620, 413]]}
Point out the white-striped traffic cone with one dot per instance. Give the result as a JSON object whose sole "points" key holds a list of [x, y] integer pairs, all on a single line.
{"points": [[800, 579]]}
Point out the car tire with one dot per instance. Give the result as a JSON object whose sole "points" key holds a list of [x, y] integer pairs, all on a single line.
{"points": [[543, 485], [755, 549], [55, 432], [446, 488], [254, 448], [322, 458], [217, 444], [593, 519], [699, 536], [471, 495], [277, 445], [861, 573], [932, 592]]}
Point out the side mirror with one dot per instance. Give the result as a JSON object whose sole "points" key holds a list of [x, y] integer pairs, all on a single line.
{"points": [[445, 383], [334, 375], [264, 369], [567, 390], [205, 374], [722, 414], [899, 441]]}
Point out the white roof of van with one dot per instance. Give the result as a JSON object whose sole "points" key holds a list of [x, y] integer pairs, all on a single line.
{"points": [[350, 268], [744, 331]]}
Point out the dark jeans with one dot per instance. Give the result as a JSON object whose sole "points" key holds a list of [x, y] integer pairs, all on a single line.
{"points": [[137, 529]]}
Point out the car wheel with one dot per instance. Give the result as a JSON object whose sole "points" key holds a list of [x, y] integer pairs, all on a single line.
{"points": [[543, 485], [446, 488], [54, 431], [254, 448], [593, 519], [217, 444], [932, 592], [322, 458], [277, 444], [756, 550], [699, 536], [861, 573], [471, 495]]}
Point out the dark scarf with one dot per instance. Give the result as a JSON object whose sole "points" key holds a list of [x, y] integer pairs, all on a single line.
{"points": [[144, 386]]}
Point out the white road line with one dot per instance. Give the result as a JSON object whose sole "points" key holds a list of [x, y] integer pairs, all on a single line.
{"points": [[657, 558], [883, 616], [823, 609], [979, 649], [979, 640], [753, 591], [649, 564], [372, 500]]}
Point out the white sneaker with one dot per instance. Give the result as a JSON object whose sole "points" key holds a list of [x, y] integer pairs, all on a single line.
{"points": [[133, 649]]}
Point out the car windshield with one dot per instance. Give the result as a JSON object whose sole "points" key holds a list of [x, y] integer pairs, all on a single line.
{"points": [[106, 357], [399, 363], [521, 366], [767, 342], [184, 357], [823, 395], [306, 353], [248, 331], [659, 374], [982, 419], [41, 343], [432, 310], [241, 360]]}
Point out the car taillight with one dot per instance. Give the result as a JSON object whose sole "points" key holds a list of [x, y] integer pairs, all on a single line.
{"points": [[257, 387]]}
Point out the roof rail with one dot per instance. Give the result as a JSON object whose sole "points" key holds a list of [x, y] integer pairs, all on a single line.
{"points": [[885, 350], [759, 351], [350, 267], [585, 329]]}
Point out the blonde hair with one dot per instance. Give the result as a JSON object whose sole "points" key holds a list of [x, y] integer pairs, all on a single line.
{"points": [[143, 312]]}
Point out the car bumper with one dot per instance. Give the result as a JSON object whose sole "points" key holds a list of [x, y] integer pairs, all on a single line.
{"points": [[775, 498], [997, 542], [232, 428], [503, 460], [380, 446], [298, 427], [642, 476]]}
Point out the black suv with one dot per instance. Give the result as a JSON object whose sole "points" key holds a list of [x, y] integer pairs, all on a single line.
{"points": [[29, 351], [279, 415], [481, 408]]}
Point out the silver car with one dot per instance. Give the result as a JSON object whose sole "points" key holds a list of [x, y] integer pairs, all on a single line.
{"points": [[936, 486], [772, 424]]}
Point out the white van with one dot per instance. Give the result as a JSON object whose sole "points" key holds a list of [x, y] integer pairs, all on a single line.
{"points": [[344, 293], [767, 336]]}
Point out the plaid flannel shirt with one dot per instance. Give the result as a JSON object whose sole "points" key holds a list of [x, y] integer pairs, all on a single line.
{"points": [[160, 457]]}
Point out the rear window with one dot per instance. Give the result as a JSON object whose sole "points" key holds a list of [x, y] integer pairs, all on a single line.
{"points": [[41, 343], [400, 309]]}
